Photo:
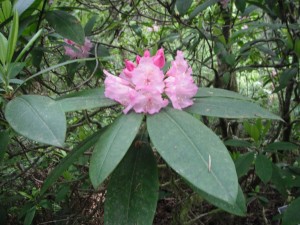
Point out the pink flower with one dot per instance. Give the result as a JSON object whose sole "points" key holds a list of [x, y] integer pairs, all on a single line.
{"points": [[149, 102], [180, 86], [140, 86], [78, 51], [147, 76], [119, 90]]}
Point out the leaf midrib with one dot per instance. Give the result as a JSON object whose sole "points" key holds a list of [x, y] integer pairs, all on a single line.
{"points": [[41, 118], [195, 148]]}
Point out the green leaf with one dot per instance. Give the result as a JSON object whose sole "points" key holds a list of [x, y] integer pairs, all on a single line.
{"points": [[3, 47], [14, 69], [66, 162], [29, 44], [5, 10], [218, 92], [229, 108], [292, 216], [240, 5], [29, 216], [237, 143], [237, 208], [89, 25], [194, 152], [202, 7], [285, 78], [252, 130], [288, 146], [132, 193], [243, 163], [66, 25], [183, 6], [4, 140], [112, 146], [54, 67], [86, 99], [22, 5], [278, 179], [263, 168], [169, 38], [38, 118], [12, 38], [297, 47]]}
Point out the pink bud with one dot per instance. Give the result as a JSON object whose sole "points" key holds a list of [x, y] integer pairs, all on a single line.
{"points": [[129, 65], [147, 53], [159, 58], [138, 58]]}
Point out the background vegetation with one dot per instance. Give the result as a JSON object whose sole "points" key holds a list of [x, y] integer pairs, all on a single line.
{"points": [[247, 46]]}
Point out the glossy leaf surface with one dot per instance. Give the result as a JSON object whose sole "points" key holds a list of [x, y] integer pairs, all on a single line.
{"points": [[133, 189], [38, 118], [194, 152], [112, 146]]}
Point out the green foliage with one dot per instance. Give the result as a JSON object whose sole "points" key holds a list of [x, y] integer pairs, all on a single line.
{"points": [[229, 108], [38, 118], [132, 193], [53, 113], [291, 216], [178, 136], [112, 146], [66, 25], [85, 99]]}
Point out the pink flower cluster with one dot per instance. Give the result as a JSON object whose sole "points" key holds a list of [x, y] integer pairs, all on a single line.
{"points": [[76, 51], [141, 86]]}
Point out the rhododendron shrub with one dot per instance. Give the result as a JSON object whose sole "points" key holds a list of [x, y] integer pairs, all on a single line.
{"points": [[141, 86]]}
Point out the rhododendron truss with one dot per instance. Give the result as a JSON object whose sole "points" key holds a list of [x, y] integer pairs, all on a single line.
{"points": [[76, 51], [143, 87]]}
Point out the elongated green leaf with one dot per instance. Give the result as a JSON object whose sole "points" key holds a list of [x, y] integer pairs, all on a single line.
{"points": [[12, 38], [3, 47], [38, 118], [29, 216], [14, 69], [202, 7], [6, 10], [89, 26], [70, 159], [237, 143], [194, 152], [237, 208], [54, 67], [263, 168], [229, 108], [243, 163], [297, 47], [86, 99], [22, 5], [281, 146], [66, 25], [112, 146], [292, 216], [132, 193], [183, 6], [204, 92], [28, 45]]}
